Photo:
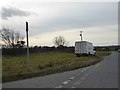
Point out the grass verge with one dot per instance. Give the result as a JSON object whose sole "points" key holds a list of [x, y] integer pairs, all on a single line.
{"points": [[15, 67]]}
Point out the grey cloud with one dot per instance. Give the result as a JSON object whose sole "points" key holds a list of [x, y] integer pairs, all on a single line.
{"points": [[11, 12], [79, 15], [73, 16]]}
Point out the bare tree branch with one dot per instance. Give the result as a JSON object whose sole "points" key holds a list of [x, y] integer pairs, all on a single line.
{"points": [[10, 38], [60, 41]]}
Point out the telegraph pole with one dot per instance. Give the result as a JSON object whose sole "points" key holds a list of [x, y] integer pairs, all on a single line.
{"points": [[81, 42], [27, 43], [81, 35]]}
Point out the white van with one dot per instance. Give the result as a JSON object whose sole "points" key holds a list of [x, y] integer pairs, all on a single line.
{"points": [[84, 48]]}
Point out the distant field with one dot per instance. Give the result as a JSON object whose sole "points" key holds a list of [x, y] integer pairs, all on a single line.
{"points": [[15, 67]]}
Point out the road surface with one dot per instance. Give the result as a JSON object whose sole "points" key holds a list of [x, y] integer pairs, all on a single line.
{"points": [[101, 75]]}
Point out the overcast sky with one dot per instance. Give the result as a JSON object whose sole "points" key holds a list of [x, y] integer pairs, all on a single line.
{"points": [[97, 20]]}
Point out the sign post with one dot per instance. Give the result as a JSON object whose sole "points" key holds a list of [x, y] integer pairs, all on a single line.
{"points": [[27, 43]]}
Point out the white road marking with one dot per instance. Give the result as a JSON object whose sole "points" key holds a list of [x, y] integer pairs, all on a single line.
{"points": [[66, 82], [88, 67], [97, 65], [73, 87], [72, 78], [79, 82], [59, 86]]}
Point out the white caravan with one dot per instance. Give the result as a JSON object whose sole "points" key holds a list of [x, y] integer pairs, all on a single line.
{"points": [[84, 48]]}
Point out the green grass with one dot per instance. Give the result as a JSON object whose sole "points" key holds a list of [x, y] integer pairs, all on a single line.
{"points": [[0, 68], [15, 67]]}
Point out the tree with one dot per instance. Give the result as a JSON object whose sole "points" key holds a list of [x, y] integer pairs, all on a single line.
{"points": [[20, 44], [60, 41], [10, 38]]}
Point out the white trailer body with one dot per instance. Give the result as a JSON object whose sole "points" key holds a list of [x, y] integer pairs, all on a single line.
{"points": [[84, 47]]}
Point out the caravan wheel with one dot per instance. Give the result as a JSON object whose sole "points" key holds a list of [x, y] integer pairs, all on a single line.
{"points": [[89, 53], [78, 55]]}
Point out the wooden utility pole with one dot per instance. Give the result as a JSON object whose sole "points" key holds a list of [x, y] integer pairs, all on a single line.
{"points": [[27, 43]]}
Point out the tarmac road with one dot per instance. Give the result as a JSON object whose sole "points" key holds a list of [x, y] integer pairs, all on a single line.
{"points": [[101, 75]]}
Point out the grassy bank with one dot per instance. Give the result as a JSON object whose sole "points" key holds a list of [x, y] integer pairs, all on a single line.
{"points": [[14, 67]]}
